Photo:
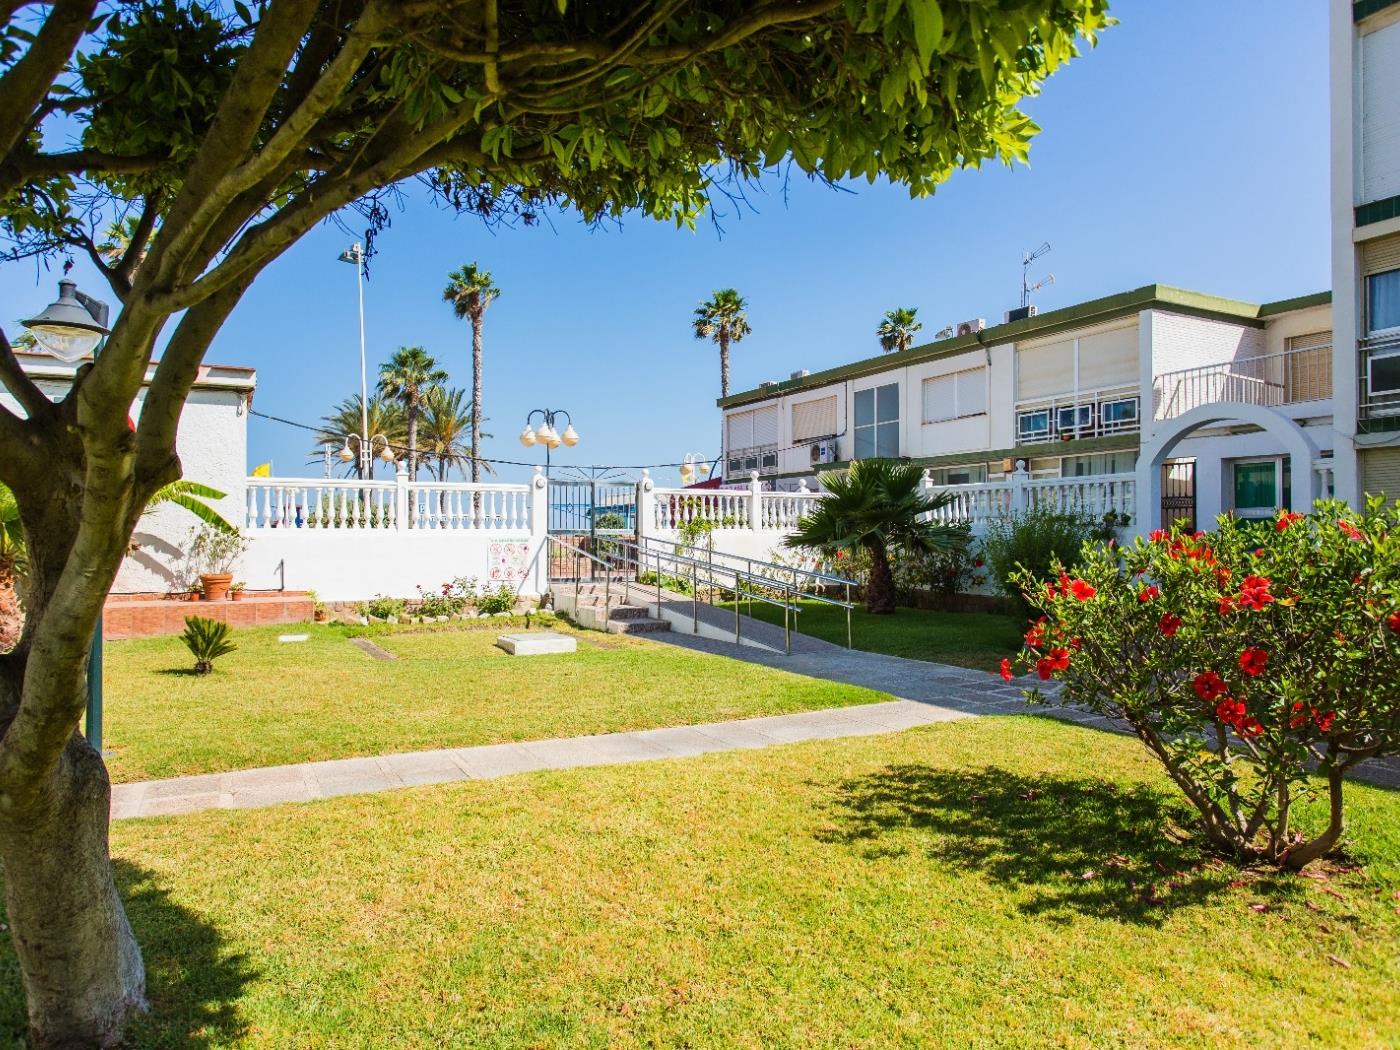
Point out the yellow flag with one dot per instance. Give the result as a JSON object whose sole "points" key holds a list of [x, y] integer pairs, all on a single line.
{"points": [[263, 470]]}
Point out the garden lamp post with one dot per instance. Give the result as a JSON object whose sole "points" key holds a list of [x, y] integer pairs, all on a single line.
{"points": [[694, 467], [70, 328], [355, 254], [365, 449], [547, 433]]}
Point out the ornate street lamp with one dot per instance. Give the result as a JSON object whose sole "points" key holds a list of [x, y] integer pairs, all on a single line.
{"points": [[547, 433], [356, 256], [366, 452], [694, 468], [70, 328]]}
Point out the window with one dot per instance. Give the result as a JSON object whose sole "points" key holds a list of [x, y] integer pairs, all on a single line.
{"points": [[1032, 425], [1257, 488], [1073, 418], [1098, 463], [1383, 302], [970, 474], [814, 419], [877, 422], [1119, 415], [955, 396], [1383, 374]]}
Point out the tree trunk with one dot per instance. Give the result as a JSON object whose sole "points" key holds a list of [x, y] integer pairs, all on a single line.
{"points": [[412, 413], [879, 589], [82, 970], [1303, 855], [476, 397], [723, 363]]}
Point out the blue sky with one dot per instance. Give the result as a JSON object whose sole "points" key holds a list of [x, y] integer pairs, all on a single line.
{"points": [[1189, 148]]}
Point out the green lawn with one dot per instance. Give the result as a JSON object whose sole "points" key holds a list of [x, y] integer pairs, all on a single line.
{"points": [[977, 640], [989, 883], [271, 703]]}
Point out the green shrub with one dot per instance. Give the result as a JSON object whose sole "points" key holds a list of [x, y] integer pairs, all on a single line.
{"points": [[1243, 658], [671, 583], [207, 640], [383, 607], [1033, 542], [501, 600]]}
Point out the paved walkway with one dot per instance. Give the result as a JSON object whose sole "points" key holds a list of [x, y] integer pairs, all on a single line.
{"points": [[928, 693]]}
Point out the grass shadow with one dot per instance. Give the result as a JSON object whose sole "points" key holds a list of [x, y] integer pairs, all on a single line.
{"points": [[1065, 845], [193, 981], [179, 672]]}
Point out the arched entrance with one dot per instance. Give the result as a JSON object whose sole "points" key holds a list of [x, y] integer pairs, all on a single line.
{"points": [[1297, 445]]}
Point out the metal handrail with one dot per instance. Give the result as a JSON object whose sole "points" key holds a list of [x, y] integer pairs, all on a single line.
{"points": [[810, 573]]}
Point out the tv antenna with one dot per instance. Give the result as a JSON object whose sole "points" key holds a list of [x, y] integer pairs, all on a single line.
{"points": [[1026, 287]]}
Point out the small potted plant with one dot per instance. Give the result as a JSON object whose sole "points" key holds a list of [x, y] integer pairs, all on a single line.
{"points": [[216, 551], [196, 591], [235, 590]]}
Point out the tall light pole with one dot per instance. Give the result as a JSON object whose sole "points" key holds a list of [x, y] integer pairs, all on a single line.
{"points": [[70, 328], [547, 434], [355, 254]]}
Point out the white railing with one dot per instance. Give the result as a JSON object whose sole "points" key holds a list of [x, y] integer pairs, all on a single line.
{"points": [[1270, 380], [298, 503], [723, 508], [1089, 497], [781, 510], [1086, 414]]}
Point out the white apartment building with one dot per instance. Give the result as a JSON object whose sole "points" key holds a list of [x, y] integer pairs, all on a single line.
{"points": [[1365, 82], [1229, 403]]}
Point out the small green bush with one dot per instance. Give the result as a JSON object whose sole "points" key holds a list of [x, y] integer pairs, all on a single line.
{"points": [[1033, 542], [501, 600], [383, 607], [207, 640]]}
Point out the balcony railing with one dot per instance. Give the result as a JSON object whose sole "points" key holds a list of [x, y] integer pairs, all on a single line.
{"points": [[1380, 386], [1087, 414], [1287, 378]]}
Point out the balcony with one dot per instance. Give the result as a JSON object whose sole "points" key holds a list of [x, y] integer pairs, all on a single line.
{"points": [[1287, 378], [1087, 414], [1380, 377]]}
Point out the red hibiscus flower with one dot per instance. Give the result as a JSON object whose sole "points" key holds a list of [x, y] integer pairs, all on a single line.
{"points": [[1230, 711], [1252, 661], [1351, 530], [1148, 593], [1297, 718], [1059, 659], [1169, 624], [1285, 519], [1036, 634], [1225, 605], [1050, 591], [1393, 621], [1006, 675], [1249, 727], [1043, 668], [1158, 536], [1324, 721], [1082, 590], [1258, 552], [977, 563], [1208, 685], [1254, 592]]}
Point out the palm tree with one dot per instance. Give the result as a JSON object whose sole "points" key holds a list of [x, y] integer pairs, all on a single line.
{"points": [[445, 429], [406, 377], [878, 505], [896, 331], [190, 495], [385, 417], [723, 319], [470, 291]]}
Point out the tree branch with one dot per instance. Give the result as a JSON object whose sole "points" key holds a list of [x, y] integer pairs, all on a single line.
{"points": [[25, 84], [17, 381]]}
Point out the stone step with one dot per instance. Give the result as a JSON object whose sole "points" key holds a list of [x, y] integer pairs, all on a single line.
{"points": [[643, 625], [627, 612]]}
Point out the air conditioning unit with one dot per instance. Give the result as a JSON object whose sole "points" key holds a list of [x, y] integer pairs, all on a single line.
{"points": [[973, 326], [1020, 313], [823, 452], [801, 373]]}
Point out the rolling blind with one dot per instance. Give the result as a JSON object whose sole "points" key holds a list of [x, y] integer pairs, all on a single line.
{"points": [[814, 419], [1380, 472], [972, 392], [1381, 254], [740, 430], [940, 398], [1380, 114], [765, 426], [1109, 359], [1045, 371]]}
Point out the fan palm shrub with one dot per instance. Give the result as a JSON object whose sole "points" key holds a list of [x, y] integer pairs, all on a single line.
{"points": [[207, 640], [878, 506]]}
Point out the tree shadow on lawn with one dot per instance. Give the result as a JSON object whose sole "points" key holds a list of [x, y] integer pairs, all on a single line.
{"points": [[1068, 845], [192, 981]]}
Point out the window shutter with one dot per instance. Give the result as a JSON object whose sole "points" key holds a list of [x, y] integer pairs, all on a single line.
{"points": [[1380, 114], [765, 426], [1109, 359], [814, 419], [1045, 371], [1381, 254], [741, 430], [940, 398], [972, 392], [1380, 472]]}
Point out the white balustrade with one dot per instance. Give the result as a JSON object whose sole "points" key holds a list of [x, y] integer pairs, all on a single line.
{"points": [[782, 510], [296, 503], [1090, 497], [724, 508]]}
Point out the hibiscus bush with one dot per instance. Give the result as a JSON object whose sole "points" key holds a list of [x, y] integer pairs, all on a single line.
{"points": [[1246, 659]]}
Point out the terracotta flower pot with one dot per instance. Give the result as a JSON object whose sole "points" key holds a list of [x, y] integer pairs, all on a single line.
{"points": [[216, 585]]}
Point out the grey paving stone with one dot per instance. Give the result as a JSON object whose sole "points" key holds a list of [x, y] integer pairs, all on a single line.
{"points": [[412, 762], [497, 760], [177, 804], [564, 754], [680, 741], [181, 786]]}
